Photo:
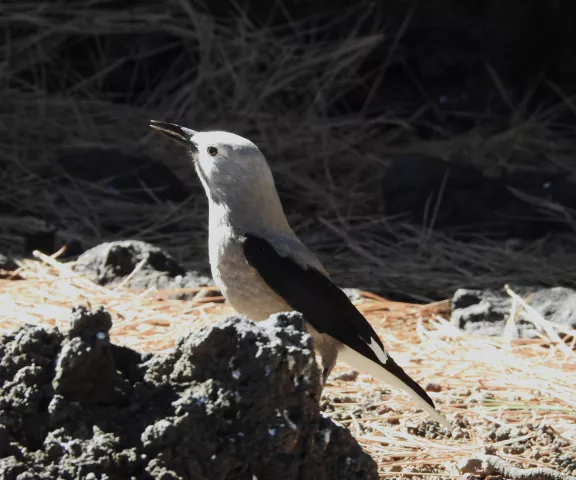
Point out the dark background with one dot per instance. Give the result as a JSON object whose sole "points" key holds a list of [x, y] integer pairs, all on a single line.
{"points": [[418, 146]]}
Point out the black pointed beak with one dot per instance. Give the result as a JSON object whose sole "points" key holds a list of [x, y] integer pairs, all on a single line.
{"points": [[180, 134]]}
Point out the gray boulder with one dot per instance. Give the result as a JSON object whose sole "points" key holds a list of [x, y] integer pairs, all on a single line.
{"points": [[111, 263]]}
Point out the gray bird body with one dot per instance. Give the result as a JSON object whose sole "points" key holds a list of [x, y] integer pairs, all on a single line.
{"points": [[242, 285], [263, 268], [230, 216]]}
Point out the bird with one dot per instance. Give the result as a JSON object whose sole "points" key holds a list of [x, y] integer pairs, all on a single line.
{"points": [[263, 268]]}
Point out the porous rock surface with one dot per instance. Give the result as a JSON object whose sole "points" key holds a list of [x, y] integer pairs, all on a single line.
{"points": [[112, 262], [485, 312], [235, 401]]}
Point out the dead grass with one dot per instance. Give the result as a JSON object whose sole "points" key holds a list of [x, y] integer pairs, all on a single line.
{"points": [[477, 382], [282, 86]]}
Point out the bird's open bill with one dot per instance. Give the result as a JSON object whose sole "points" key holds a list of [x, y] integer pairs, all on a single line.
{"points": [[181, 134]]}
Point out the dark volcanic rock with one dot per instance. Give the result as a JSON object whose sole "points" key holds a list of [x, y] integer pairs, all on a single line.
{"points": [[41, 240], [110, 264], [29, 231], [7, 264], [432, 191], [485, 312], [235, 401], [85, 369]]}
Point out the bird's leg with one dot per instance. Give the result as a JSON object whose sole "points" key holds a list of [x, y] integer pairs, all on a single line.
{"points": [[327, 348], [328, 362]]}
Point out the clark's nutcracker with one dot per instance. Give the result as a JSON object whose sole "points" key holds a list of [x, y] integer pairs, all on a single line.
{"points": [[263, 268]]}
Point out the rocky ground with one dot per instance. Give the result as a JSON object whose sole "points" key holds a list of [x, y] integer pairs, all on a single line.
{"points": [[538, 442], [418, 148], [237, 400]]}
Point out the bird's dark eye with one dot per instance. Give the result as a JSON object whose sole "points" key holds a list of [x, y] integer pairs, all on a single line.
{"points": [[213, 151]]}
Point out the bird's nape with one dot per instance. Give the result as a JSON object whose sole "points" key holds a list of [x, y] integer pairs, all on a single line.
{"points": [[180, 134]]}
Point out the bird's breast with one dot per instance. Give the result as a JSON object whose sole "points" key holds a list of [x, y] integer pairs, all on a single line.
{"points": [[241, 284]]}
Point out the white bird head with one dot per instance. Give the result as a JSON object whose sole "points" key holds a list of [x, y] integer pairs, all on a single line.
{"points": [[220, 157], [233, 171]]}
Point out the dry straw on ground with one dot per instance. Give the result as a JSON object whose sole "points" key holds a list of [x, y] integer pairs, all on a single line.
{"points": [[477, 382], [283, 88]]}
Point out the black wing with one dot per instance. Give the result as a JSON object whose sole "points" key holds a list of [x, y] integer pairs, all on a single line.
{"points": [[325, 306]]}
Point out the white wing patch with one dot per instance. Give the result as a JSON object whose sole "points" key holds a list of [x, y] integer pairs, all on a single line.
{"points": [[363, 364], [378, 351]]}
